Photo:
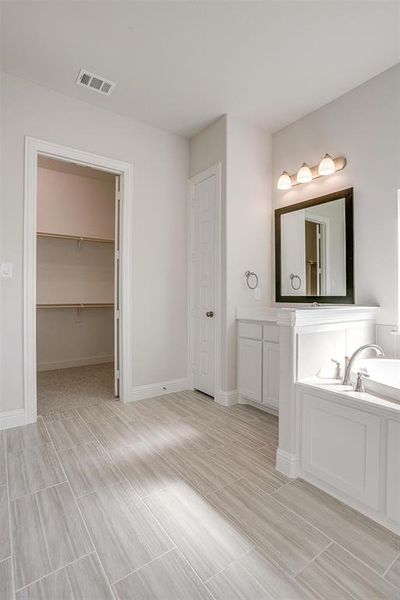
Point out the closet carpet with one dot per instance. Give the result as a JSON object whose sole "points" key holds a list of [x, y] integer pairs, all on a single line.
{"points": [[65, 389], [175, 498]]}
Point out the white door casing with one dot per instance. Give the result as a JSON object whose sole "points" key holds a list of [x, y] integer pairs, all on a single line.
{"points": [[117, 294], [204, 283], [34, 147]]}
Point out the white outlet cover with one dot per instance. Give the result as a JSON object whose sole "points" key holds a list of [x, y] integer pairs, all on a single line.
{"points": [[6, 270]]}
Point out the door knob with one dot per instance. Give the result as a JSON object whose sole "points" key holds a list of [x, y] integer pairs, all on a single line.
{"points": [[209, 313]]}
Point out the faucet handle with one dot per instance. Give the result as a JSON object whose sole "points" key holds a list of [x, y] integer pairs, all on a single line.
{"points": [[337, 369], [361, 375]]}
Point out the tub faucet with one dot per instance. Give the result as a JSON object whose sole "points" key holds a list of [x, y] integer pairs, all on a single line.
{"points": [[349, 364]]}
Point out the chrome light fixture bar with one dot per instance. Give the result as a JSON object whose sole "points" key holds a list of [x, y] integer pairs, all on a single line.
{"points": [[327, 166]]}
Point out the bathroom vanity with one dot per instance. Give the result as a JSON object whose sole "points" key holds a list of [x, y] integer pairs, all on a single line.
{"points": [[258, 360]]}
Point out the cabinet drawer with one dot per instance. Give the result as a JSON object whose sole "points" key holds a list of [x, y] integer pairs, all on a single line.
{"points": [[271, 333], [250, 330]]}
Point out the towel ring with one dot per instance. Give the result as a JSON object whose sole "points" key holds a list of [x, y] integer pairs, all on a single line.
{"points": [[293, 285], [248, 275]]}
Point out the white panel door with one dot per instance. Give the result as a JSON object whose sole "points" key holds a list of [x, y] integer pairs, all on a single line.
{"points": [[271, 374], [203, 218], [250, 369], [117, 286]]}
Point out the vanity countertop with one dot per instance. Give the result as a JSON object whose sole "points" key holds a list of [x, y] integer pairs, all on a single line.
{"points": [[335, 387], [269, 315]]}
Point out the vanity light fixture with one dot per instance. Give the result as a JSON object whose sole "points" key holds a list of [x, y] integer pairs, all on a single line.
{"points": [[327, 166], [304, 174], [284, 181]]}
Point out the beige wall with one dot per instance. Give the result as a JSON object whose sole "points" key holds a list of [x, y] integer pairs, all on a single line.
{"points": [[364, 126], [159, 258]]}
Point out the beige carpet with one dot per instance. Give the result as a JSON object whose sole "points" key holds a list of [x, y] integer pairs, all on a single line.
{"points": [[74, 388]]}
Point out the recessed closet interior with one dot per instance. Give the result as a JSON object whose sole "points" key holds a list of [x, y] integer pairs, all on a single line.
{"points": [[76, 284]]}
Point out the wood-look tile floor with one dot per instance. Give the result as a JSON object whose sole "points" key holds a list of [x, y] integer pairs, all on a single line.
{"points": [[175, 498]]}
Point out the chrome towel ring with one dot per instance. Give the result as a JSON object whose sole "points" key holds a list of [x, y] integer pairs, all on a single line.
{"points": [[292, 281], [250, 275]]}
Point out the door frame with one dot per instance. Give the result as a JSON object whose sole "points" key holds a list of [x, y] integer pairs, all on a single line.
{"points": [[216, 171], [33, 148]]}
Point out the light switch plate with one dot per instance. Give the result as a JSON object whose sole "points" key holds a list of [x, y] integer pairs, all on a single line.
{"points": [[6, 270]]}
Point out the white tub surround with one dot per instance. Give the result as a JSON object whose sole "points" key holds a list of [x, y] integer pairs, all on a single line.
{"points": [[308, 339], [383, 377], [349, 446]]}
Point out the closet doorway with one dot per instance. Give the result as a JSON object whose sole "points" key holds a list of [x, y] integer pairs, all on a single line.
{"points": [[77, 277], [78, 224]]}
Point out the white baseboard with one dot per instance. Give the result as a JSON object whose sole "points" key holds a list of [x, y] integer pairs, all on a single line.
{"points": [[141, 392], [76, 362], [287, 464], [227, 398], [12, 418]]}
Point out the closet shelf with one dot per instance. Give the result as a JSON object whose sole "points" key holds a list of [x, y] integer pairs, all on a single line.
{"points": [[78, 238], [77, 305]]}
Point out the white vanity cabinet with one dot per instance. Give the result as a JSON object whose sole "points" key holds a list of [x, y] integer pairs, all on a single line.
{"points": [[258, 363]]}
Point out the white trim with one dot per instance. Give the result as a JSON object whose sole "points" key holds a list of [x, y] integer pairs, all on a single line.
{"points": [[76, 362], [34, 147], [12, 418], [214, 170], [286, 463], [227, 398], [141, 392]]}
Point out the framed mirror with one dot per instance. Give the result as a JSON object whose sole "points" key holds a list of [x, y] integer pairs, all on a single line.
{"points": [[314, 250]]}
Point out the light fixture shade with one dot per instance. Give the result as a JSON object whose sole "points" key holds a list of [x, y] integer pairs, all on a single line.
{"points": [[326, 166], [284, 181], [304, 174]]}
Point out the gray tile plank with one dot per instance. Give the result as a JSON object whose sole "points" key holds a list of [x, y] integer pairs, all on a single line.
{"points": [[89, 468], [48, 522], [269, 453], [33, 469], [6, 583], [27, 436], [82, 580], [145, 470], [5, 546], [69, 433], [249, 464], [372, 543], [207, 538], [199, 469], [285, 538], [113, 432], [338, 574], [253, 577], [166, 578], [125, 533], [2, 459], [393, 575]]}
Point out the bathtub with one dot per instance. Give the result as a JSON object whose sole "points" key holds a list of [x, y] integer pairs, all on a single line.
{"points": [[384, 377]]}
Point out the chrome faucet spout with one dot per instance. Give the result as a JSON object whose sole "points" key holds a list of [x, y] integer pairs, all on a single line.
{"points": [[347, 374]]}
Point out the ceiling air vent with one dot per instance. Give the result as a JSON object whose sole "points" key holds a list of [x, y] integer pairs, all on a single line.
{"points": [[95, 82]]}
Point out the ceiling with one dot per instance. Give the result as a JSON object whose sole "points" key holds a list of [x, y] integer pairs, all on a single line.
{"points": [[62, 166], [180, 65]]}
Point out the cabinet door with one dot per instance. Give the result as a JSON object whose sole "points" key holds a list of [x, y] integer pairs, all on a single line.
{"points": [[271, 374], [250, 369], [393, 471]]}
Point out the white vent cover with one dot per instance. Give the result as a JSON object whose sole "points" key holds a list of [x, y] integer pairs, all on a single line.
{"points": [[95, 82]]}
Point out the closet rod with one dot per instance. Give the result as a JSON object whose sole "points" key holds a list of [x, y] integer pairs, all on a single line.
{"points": [[78, 238], [76, 305]]}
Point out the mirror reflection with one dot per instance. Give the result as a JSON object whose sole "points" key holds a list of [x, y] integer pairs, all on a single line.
{"points": [[314, 250]]}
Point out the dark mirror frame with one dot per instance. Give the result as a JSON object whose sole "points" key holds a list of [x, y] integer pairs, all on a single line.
{"points": [[349, 297]]}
